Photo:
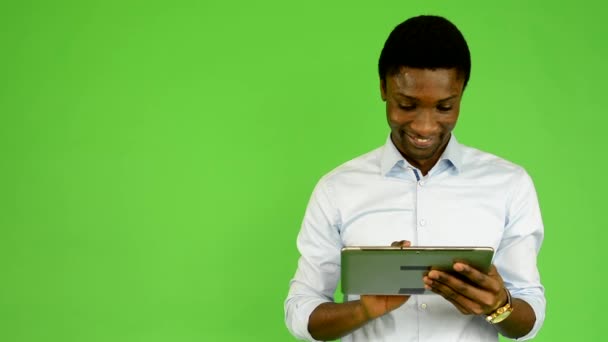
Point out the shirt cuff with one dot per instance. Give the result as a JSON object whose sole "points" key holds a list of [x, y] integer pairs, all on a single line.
{"points": [[538, 306], [297, 318]]}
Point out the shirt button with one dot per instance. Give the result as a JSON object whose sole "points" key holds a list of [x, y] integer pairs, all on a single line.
{"points": [[422, 222], [421, 183], [423, 306]]}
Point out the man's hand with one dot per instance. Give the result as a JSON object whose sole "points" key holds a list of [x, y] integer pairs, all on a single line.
{"points": [[482, 294], [375, 305], [330, 321]]}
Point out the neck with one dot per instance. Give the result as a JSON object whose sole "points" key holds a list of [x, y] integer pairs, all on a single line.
{"points": [[423, 165]]}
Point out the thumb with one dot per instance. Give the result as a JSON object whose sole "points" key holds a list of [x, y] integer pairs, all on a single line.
{"points": [[402, 243]]}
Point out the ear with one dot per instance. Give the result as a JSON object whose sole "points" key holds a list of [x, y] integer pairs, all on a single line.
{"points": [[383, 89]]}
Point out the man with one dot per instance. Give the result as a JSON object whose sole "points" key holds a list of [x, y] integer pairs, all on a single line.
{"points": [[422, 188]]}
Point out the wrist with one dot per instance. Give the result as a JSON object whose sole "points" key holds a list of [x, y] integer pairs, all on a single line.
{"points": [[361, 312], [502, 312]]}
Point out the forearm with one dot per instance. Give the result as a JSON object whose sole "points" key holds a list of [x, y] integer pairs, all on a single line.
{"points": [[330, 321], [520, 322]]}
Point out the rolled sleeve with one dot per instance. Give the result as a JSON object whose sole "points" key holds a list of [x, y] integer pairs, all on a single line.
{"points": [[537, 302], [516, 258], [318, 270], [298, 309]]}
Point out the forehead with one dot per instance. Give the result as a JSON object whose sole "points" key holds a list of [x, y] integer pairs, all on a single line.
{"points": [[412, 81]]}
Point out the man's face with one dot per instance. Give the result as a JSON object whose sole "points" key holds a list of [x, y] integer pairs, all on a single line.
{"points": [[422, 107]]}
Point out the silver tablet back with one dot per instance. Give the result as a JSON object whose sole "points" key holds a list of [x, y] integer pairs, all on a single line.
{"points": [[396, 270]]}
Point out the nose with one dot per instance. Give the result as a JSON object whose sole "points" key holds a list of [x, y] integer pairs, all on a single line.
{"points": [[424, 124]]}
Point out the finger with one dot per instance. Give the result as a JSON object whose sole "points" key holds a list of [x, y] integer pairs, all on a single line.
{"points": [[402, 243], [450, 296], [490, 281], [438, 289], [474, 299], [464, 304]]}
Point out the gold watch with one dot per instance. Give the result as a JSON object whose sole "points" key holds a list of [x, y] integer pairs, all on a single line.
{"points": [[502, 312]]}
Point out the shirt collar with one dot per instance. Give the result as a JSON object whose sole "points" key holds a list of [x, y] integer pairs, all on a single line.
{"points": [[391, 157], [453, 153]]}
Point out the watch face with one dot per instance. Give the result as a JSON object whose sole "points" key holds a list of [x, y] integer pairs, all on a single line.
{"points": [[501, 317]]}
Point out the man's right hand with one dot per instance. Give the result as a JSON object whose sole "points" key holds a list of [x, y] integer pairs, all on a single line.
{"points": [[330, 321], [375, 306], [378, 305]]}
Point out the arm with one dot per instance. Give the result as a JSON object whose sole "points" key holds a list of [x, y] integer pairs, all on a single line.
{"points": [[515, 260], [318, 271], [481, 296], [310, 311], [330, 321], [520, 322]]}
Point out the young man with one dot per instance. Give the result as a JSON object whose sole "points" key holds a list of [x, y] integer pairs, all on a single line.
{"points": [[422, 188]]}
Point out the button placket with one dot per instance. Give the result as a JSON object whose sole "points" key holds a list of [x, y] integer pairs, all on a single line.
{"points": [[422, 219]]}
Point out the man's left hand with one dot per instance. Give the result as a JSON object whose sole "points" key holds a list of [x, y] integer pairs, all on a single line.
{"points": [[482, 294]]}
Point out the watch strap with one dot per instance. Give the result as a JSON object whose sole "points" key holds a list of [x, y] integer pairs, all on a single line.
{"points": [[502, 312]]}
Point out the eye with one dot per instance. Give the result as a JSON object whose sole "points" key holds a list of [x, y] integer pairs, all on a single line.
{"points": [[444, 108], [407, 107]]}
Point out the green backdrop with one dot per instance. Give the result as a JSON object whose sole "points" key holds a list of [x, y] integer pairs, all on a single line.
{"points": [[157, 157]]}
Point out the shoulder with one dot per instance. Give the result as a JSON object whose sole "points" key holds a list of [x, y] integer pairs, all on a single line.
{"points": [[361, 168], [483, 168], [478, 161]]}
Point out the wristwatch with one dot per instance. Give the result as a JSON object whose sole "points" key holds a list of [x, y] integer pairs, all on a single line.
{"points": [[502, 312]]}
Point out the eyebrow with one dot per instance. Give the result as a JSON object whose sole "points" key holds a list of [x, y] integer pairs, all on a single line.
{"points": [[416, 99]]}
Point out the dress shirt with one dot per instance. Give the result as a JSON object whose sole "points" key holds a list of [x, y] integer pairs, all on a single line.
{"points": [[469, 198]]}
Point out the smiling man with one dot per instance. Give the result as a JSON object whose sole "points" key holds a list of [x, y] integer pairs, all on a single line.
{"points": [[422, 107], [422, 188]]}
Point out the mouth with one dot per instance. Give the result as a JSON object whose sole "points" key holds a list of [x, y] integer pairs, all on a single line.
{"points": [[419, 142]]}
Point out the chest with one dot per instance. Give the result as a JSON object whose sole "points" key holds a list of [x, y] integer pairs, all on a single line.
{"points": [[465, 213]]}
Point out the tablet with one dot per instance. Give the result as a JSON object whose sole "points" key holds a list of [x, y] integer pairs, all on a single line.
{"points": [[399, 270]]}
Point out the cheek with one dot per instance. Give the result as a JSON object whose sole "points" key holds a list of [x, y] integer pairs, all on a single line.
{"points": [[394, 117], [391, 118], [448, 123], [395, 122]]}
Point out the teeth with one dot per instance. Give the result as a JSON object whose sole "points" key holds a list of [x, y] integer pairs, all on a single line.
{"points": [[422, 140]]}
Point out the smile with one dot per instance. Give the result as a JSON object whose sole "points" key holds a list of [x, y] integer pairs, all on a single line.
{"points": [[420, 142]]}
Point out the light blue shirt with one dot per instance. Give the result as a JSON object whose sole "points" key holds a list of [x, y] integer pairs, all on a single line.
{"points": [[469, 198]]}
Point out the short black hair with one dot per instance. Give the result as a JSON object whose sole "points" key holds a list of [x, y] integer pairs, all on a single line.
{"points": [[425, 42]]}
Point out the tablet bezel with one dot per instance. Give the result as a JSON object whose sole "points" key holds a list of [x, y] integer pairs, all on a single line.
{"points": [[388, 270]]}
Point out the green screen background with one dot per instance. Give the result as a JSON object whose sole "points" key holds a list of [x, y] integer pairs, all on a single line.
{"points": [[157, 157]]}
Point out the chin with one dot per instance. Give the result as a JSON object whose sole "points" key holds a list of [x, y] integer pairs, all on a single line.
{"points": [[417, 154]]}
